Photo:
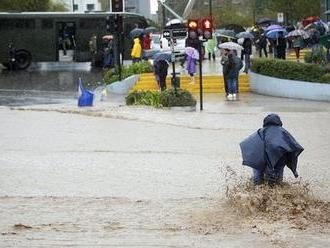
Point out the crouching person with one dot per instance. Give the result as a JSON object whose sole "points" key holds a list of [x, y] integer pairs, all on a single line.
{"points": [[269, 150]]}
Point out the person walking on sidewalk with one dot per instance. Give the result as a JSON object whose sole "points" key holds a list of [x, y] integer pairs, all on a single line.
{"points": [[247, 45]]}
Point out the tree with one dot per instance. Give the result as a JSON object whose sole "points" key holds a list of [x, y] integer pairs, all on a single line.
{"points": [[296, 10], [31, 5]]}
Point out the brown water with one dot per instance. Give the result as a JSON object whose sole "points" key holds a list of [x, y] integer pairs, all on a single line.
{"points": [[113, 176]]}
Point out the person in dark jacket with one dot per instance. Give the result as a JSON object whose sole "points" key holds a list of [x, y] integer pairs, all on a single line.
{"points": [[247, 45], [224, 63], [231, 72], [262, 45], [280, 46], [161, 71], [269, 150]]}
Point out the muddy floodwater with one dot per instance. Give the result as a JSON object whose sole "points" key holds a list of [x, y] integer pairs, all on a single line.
{"points": [[117, 176]]}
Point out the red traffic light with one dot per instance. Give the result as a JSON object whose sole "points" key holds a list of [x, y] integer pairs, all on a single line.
{"points": [[207, 23]]}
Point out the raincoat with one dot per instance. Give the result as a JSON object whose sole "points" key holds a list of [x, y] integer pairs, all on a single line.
{"points": [[210, 45], [271, 146], [137, 49]]}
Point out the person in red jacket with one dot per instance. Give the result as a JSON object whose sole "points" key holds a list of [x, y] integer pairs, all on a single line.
{"points": [[146, 42]]}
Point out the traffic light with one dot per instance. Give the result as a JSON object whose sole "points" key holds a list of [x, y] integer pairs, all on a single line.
{"points": [[117, 5], [118, 24], [192, 28], [207, 27], [109, 20]]}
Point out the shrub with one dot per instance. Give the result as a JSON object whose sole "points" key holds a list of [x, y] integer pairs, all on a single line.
{"points": [[325, 78], [167, 98], [288, 69], [112, 75], [148, 98], [318, 55], [180, 98]]}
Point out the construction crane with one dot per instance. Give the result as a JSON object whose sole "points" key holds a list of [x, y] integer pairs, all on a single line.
{"points": [[186, 12]]}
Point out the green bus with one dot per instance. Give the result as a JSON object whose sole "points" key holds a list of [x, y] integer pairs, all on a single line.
{"points": [[39, 35]]}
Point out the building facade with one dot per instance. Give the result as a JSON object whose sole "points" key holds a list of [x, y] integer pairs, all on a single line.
{"points": [[141, 7], [82, 5]]}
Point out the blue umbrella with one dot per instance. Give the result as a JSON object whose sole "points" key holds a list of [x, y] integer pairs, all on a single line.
{"points": [[136, 32], [273, 27], [166, 56], [274, 34]]}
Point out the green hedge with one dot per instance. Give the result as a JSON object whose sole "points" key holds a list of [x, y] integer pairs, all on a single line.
{"points": [[112, 76], [288, 70], [167, 98]]}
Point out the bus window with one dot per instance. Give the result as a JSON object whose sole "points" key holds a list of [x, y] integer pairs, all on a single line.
{"points": [[66, 32], [47, 24]]}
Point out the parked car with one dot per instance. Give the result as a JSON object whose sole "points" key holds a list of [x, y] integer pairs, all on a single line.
{"points": [[158, 42]]}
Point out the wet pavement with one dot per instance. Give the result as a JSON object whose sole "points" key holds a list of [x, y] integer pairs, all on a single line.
{"points": [[118, 176]]}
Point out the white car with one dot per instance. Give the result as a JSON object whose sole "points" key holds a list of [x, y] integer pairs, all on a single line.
{"points": [[158, 42]]}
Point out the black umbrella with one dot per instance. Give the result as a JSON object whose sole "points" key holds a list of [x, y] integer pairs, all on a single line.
{"points": [[253, 151], [225, 33], [136, 32], [149, 30], [265, 20], [167, 56]]}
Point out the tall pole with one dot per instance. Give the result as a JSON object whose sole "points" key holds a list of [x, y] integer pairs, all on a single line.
{"points": [[72, 3], [200, 75], [163, 16], [210, 6]]}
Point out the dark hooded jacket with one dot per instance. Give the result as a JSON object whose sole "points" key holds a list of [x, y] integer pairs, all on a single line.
{"points": [[274, 143]]}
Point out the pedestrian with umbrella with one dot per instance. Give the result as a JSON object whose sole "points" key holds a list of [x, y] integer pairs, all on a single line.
{"points": [[261, 44], [231, 68], [269, 150], [191, 58], [247, 52], [161, 64], [280, 46], [298, 44]]}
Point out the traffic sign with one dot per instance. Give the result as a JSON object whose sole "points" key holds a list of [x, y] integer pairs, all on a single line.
{"points": [[179, 33], [280, 17], [167, 34]]}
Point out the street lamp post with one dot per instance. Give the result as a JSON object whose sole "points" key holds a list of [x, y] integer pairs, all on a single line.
{"points": [[210, 6]]}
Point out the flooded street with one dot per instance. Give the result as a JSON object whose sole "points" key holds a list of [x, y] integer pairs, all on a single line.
{"points": [[118, 176]]}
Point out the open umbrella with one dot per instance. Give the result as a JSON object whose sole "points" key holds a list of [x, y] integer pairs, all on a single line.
{"points": [[273, 27], [166, 56], [149, 30], [225, 33], [264, 20], [275, 33], [107, 37], [245, 35], [310, 20], [136, 32], [192, 52], [230, 46], [298, 33]]}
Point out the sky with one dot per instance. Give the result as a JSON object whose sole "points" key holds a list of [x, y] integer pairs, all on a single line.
{"points": [[154, 6]]}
